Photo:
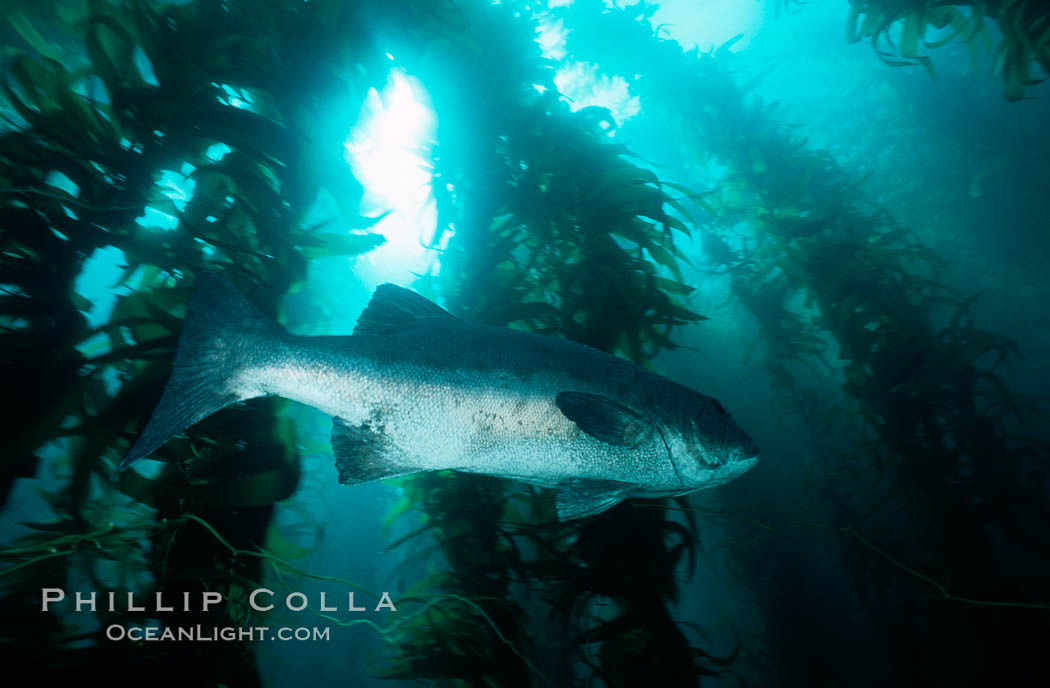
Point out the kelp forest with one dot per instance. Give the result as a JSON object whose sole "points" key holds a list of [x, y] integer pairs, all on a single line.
{"points": [[876, 317]]}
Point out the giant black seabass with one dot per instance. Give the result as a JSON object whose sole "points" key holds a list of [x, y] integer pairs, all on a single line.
{"points": [[417, 389]]}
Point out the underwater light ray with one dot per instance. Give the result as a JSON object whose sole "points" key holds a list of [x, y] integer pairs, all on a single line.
{"points": [[710, 24], [389, 151], [585, 86]]}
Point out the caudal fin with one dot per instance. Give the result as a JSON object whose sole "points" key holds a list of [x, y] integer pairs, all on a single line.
{"points": [[221, 331]]}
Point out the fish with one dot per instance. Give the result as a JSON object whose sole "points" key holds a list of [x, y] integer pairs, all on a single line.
{"points": [[415, 388]]}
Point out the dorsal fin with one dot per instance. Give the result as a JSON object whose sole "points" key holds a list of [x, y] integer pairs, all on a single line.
{"points": [[395, 308]]}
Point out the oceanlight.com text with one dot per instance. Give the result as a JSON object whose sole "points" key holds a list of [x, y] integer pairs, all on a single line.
{"points": [[201, 633]]}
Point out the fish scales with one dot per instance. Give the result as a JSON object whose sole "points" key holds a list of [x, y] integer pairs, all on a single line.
{"points": [[416, 389]]}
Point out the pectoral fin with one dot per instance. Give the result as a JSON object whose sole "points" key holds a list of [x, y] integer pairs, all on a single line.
{"points": [[579, 498], [604, 419], [364, 454]]}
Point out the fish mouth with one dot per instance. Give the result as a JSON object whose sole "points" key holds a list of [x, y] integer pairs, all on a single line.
{"points": [[744, 461], [745, 465], [731, 470], [746, 458]]}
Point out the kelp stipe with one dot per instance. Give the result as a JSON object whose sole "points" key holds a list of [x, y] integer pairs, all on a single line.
{"points": [[931, 428], [587, 263], [113, 140]]}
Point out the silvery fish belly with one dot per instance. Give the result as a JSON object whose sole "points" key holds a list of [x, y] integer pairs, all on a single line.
{"points": [[417, 389]]}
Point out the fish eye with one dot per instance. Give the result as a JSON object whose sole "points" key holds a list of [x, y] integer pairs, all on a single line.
{"points": [[718, 406]]}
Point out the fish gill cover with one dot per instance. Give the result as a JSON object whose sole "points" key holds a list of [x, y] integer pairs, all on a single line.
{"points": [[846, 248]]}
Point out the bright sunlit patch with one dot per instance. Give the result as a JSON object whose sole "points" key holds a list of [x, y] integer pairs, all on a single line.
{"points": [[61, 181], [551, 37], [175, 186], [145, 67], [582, 83], [235, 97], [389, 147], [217, 151], [711, 23], [96, 281], [157, 219], [389, 151]]}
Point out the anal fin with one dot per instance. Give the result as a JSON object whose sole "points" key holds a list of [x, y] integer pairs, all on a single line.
{"points": [[579, 498], [363, 453]]}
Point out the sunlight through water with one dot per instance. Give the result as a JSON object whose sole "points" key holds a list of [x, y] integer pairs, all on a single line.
{"points": [[389, 151], [710, 23]]}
